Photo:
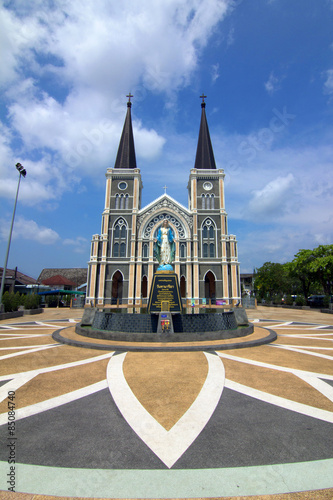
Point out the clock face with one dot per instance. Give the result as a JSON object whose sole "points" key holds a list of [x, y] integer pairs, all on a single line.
{"points": [[207, 186], [122, 185]]}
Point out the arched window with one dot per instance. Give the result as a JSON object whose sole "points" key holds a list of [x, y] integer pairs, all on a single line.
{"points": [[212, 201], [182, 250], [208, 239], [119, 242], [203, 204], [126, 201], [117, 201], [145, 250]]}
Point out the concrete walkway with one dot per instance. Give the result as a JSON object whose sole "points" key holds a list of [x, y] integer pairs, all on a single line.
{"points": [[243, 423]]}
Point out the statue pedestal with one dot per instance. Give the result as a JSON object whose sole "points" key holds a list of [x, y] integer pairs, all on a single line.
{"points": [[165, 294]]}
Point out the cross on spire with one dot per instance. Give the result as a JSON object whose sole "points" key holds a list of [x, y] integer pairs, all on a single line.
{"points": [[203, 97], [129, 104], [165, 188]]}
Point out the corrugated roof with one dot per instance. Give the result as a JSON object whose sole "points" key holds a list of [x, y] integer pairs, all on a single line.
{"points": [[77, 275]]}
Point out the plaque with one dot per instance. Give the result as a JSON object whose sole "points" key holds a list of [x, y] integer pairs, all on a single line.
{"points": [[165, 293]]}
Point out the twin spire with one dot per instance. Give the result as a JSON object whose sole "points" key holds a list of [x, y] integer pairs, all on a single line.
{"points": [[126, 152]]}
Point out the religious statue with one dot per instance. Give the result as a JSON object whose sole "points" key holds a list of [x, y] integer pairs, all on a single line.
{"points": [[164, 248]]}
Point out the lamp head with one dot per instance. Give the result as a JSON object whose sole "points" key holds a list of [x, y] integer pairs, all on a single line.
{"points": [[21, 169]]}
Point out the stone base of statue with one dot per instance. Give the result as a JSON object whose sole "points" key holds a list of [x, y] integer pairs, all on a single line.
{"points": [[165, 293]]}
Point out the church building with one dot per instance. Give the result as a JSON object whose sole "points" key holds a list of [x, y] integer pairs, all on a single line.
{"points": [[122, 263]]}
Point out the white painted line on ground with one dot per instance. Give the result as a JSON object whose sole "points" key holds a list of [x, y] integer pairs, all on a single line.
{"points": [[323, 387], [302, 351], [25, 347], [306, 336], [305, 347], [13, 385], [170, 445], [50, 346], [57, 367], [310, 411], [294, 371], [279, 325], [49, 404]]}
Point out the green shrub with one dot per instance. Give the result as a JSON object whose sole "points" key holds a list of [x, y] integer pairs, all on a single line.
{"points": [[7, 301], [326, 302], [300, 300], [31, 301], [289, 300], [277, 300]]}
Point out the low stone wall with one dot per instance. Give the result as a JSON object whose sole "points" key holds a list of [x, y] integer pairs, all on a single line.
{"points": [[143, 327], [9, 315]]}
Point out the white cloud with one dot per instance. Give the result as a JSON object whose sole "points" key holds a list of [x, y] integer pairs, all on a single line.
{"points": [[90, 52], [273, 83], [79, 244], [328, 84], [29, 230], [272, 198]]}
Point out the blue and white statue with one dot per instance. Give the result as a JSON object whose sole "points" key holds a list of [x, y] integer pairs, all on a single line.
{"points": [[164, 248]]}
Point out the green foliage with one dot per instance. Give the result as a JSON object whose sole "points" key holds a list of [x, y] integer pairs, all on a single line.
{"points": [[11, 301], [31, 301], [311, 271], [300, 300], [289, 300], [271, 279]]}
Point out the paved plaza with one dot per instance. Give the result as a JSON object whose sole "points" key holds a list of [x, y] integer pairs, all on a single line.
{"points": [[251, 422]]}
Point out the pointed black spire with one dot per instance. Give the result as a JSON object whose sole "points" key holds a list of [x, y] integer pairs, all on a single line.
{"points": [[205, 156], [126, 151]]}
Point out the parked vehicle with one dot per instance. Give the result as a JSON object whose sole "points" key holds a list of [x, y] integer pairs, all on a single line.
{"points": [[316, 300]]}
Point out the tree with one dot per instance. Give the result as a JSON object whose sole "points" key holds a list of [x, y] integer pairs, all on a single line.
{"points": [[314, 267], [322, 267], [301, 268], [271, 279]]}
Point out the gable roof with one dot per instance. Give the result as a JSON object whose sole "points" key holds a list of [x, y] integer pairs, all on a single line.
{"points": [[77, 276], [21, 278], [58, 280]]}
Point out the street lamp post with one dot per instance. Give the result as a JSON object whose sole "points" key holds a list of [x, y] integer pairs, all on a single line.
{"points": [[22, 171]]}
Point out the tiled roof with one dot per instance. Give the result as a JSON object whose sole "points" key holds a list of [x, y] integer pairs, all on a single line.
{"points": [[58, 280], [76, 275], [21, 278]]}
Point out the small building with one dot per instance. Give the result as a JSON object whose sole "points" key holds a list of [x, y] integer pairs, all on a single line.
{"points": [[64, 278], [247, 283], [15, 281]]}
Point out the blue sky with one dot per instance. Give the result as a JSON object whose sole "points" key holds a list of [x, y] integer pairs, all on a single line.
{"points": [[266, 67]]}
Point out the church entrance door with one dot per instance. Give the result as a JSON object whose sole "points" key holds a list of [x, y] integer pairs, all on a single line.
{"points": [[210, 285], [117, 286]]}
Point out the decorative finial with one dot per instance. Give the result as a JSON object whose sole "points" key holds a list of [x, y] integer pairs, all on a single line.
{"points": [[203, 97], [129, 104]]}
